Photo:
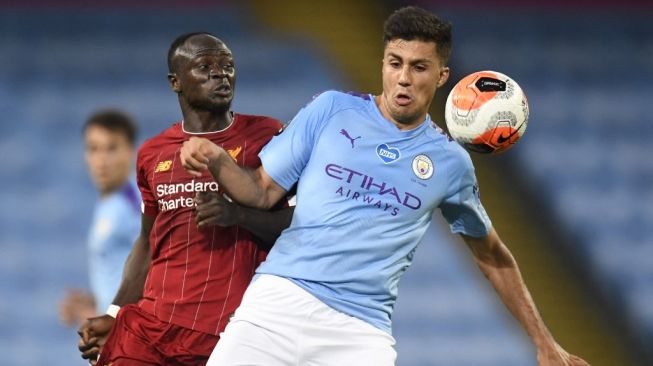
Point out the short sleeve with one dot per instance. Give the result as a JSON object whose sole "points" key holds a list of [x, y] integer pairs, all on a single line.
{"points": [[463, 209], [149, 205], [286, 155]]}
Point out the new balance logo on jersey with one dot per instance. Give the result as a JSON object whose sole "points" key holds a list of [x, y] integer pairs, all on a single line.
{"points": [[346, 134], [163, 166]]}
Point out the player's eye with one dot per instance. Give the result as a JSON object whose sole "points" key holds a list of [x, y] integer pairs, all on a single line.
{"points": [[395, 64]]}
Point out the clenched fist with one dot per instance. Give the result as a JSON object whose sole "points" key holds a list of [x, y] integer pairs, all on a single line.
{"points": [[197, 154]]}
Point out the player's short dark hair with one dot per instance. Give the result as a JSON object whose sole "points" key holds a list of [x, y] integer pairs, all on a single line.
{"points": [[178, 42], [114, 121], [410, 23]]}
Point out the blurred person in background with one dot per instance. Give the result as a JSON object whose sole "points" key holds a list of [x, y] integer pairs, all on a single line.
{"points": [[190, 265], [371, 169], [109, 139]]}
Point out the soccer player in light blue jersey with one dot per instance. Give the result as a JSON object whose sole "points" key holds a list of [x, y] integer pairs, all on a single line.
{"points": [[109, 138], [371, 170]]}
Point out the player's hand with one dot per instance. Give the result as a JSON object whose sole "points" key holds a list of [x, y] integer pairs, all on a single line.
{"points": [[76, 306], [557, 356], [197, 153], [93, 334], [213, 209]]}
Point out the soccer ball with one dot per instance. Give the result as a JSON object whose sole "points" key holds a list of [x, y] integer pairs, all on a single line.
{"points": [[486, 112]]}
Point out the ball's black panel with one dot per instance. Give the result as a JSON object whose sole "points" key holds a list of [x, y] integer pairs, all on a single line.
{"points": [[487, 84]]}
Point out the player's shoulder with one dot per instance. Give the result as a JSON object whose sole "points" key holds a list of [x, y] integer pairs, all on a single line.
{"points": [[163, 137], [124, 203], [337, 99], [447, 146], [131, 196], [260, 121], [323, 106], [152, 147]]}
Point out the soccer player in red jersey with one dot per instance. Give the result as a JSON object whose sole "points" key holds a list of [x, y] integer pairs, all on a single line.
{"points": [[193, 260]]}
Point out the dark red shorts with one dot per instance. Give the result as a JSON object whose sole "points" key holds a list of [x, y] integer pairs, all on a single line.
{"points": [[139, 338]]}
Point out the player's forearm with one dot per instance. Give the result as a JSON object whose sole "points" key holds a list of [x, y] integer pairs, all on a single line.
{"points": [[265, 225], [134, 274], [500, 268], [241, 184]]}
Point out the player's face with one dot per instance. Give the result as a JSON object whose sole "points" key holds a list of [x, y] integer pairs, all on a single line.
{"points": [[412, 72], [206, 75], [108, 156]]}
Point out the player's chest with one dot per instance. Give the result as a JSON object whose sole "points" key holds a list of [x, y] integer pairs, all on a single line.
{"points": [[368, 161], [166, 170]]}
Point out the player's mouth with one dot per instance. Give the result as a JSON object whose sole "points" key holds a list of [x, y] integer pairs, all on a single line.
{"points": [[403, 99], [223, 90]]}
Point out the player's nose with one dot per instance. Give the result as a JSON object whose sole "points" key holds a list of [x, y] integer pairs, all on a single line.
{"points": [[216, 71], [404, 76]]}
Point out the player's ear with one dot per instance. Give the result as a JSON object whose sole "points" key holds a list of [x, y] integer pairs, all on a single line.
{"points": [[174, 82], [444, 76]]}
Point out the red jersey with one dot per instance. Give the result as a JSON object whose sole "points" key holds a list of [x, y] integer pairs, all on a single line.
{"points": [[196, 277]]}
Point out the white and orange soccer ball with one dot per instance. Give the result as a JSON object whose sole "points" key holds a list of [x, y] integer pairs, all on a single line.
{"points": [[486, 112]]}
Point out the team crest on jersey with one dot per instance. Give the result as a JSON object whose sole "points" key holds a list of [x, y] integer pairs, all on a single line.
{"points": [[423, 167], [387, 153], [163, 166], [234, 152]]}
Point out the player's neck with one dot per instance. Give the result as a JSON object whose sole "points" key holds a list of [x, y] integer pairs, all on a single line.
{"points": [[385, 112], [205, 121], [108, 190]]}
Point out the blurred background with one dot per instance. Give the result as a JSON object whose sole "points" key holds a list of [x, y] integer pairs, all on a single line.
{"points": [[573, 200]]}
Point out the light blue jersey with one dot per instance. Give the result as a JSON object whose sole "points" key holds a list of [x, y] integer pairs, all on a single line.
{"points": [[365, 197], [116, 225]]}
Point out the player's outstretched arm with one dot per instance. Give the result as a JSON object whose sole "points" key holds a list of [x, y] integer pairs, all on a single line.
{"points": [[213, 209], [499, 266], [253, 188], [94, 331]]}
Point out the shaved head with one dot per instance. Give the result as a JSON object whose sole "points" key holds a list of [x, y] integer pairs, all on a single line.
{"points": [[191, 45], [202, 72]]}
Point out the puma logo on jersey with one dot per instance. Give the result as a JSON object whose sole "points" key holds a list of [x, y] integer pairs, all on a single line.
{"points": [[234, 152], [351, 139], [163, 166]]}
